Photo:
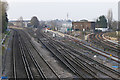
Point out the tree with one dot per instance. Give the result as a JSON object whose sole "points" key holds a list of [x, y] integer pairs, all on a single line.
{"points": [[20, 22], [53, 25], [101, 22], [119, 25], [3, 17], [114, 25], [34, 22], [110, 17]]}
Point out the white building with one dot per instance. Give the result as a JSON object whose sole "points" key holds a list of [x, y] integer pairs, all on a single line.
{"points": [[102, 29], [65, 26]]}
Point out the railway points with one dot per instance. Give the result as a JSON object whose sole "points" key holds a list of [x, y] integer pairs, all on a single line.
{"points": [[89, 46], [29, 50], [54, 47]]}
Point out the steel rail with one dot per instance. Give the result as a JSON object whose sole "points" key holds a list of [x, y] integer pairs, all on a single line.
{"points": [[27, 66], [32, 57], [102, 66], [23, 60], [34, 62], [74, 60], [68, 60], [14, 62]]}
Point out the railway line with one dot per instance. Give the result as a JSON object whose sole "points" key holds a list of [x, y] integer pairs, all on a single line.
{"points": [[16, 67], [117, 43], [30, 65], [48, 69], [95, 49], [55, 52], [35, 67], [98, 40], [114, 46], [69, 59], [101, 36], [88, 59]]}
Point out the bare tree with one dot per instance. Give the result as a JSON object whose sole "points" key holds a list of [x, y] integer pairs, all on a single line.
{"points": [[110, 18], [53, 24], [20, 22]]}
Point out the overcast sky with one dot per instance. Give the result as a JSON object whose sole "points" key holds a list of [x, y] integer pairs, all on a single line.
{"points": [[58, 9]]}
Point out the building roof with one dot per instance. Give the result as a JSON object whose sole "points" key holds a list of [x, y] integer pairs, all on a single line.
{"points": [[84, 20]]}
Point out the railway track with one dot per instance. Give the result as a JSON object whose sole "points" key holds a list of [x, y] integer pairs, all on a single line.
{"points": [[31, 65], [25, 64], [86, 59], [93, 48], [101, 42], [98, 40], [16, 69], [112, 45], [32, 51], [79, 66], [66, 48], [100, 51], [59, 57], [68, 58], [14, 63], [100, 36]]}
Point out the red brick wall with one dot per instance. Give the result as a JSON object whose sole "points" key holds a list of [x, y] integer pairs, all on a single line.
{"points": [[81, 25]]}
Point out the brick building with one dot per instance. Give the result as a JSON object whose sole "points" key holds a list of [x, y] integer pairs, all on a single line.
{"points": [[84, 24]]}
